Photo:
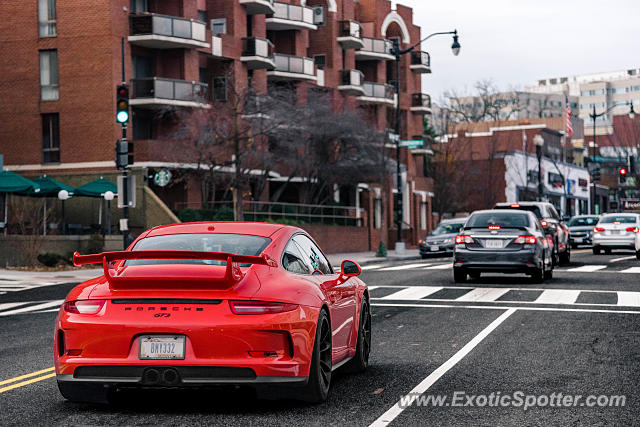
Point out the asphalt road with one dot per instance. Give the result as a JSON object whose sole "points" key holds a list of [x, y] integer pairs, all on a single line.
{"points": [[577, 334]]}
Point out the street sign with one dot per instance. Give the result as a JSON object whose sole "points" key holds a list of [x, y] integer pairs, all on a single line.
{"points": [[162, 177], [631, 205], [131, 191], [394, 137], [411, 144]]}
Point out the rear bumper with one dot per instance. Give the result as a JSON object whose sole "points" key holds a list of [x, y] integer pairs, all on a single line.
{"points": [[428, 249], [615, 243], [501, 262]]}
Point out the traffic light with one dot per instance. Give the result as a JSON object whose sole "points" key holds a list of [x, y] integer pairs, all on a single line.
{"points": [[595, 175], [122, 104], [622, 175], [124, 153], [632, 165]]}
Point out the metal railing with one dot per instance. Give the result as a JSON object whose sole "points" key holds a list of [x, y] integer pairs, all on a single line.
{"points": [[254, 46], [352, 77], [382, 46], [350, 29], [169, 26], [421, 100], [293, 12], [378, 90], [179, 90], [420, 58], [294, 64]]}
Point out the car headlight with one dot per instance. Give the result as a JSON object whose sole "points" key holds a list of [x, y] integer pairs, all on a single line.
{"points": [[448, 241], [422, 242]]}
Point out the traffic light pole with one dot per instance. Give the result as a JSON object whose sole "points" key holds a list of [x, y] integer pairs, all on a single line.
{"points": [[125, 170]]}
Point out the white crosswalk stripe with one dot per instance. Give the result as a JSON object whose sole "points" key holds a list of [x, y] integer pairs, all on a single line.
{"points": [[403, 267], [558, 296], [439, 267], [587, 268], [631, 270], [629, 299], [8, 309], [483, 295], [414, 293]]}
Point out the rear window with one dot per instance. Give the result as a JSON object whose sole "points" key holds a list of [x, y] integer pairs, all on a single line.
{"points": [[583, 221], [618, 218], [502, 219], [449, 228], [536, 211], [239, 244]]}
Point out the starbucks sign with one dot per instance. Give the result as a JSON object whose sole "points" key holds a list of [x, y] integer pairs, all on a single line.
{"points": [[162, 177]]}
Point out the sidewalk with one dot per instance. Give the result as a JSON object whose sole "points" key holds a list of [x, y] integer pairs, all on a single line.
{"points": [[364, 258]]}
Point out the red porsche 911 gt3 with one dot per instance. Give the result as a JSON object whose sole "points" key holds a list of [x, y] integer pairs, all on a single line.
{"points": [[209, 304]]}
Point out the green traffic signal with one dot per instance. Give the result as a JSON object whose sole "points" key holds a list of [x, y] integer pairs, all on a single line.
{"points": [[122, 117]]}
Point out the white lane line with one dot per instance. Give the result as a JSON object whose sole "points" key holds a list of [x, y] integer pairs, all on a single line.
{"points": [[8, 305], [372, 288], [630, 299], [413, 293], [393, 412], [622, 259], [37, 307], [403, 267], [439, 267], [483, 295], [631, 270], [558, 296], [372, 267], [495, 307], [587, 268]]}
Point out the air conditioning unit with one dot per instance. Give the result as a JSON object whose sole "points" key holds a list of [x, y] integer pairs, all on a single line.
{"points": [[318, 15]]}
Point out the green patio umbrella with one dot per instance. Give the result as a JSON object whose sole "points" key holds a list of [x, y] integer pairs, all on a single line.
{"points": [[49, 187], [97, 189], [11, 183]]}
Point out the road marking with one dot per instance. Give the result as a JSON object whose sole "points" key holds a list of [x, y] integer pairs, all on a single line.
{"points": [[413, 293], [8, 305], [439, 267], [426, 383], [558, 296], [24, 383], [12, 380], [631, 299], [483, 295], [631, 270], [36, 307], [372, 288], [587, 268], [403, 267], [495, 307], [372, 267], [622, 259]]}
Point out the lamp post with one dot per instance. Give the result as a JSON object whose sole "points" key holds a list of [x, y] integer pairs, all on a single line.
{"points": [[108, 196], [397, 52], [594, 116], [63, 195], [538, 141]]}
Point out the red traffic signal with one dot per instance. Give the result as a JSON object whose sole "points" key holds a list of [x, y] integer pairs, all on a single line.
{"points": [[623, 171]]}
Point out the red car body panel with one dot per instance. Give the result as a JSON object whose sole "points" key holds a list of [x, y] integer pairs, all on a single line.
{"points": [[274, 346]]}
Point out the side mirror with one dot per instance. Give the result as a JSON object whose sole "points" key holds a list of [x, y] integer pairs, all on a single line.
{"points": [[350, 268]]}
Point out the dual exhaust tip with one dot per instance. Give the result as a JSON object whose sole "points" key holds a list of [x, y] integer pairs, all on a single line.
{"points": [[161, 376]]}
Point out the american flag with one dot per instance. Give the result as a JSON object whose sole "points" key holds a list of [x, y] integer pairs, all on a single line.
{"points": [[568, 114]]}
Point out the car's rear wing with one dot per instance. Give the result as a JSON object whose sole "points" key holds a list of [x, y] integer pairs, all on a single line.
{"points": [[232, 272]]}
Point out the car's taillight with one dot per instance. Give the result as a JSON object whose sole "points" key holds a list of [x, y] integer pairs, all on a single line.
{"points": [[525, 240], [260, 307], [617, 222], [464, 239], [633, 229], [598, 229], [494, 227], [85, 306]]}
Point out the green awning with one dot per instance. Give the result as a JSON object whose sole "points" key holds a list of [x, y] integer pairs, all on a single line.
{"points": [[96, 188], [11, 182], [49, 187]]}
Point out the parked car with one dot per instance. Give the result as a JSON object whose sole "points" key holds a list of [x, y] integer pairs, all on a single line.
{"points": [[617, 231], [581, 229], [442, 239], [552, 225], [502, 241]]}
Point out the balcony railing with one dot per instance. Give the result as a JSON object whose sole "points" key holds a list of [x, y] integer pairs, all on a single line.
{"points": [[420, 62], [421, 103], [350, 35], [167, 32], [288, 67], [291, 17], [373, 49], [257, 53], [258, 7], [378, 93], [351, 82], [162, 91]]}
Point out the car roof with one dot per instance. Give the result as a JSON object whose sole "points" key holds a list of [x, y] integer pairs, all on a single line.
{"points": [[514, 211], [454, 220], [261, 229], [524, 203], [619, 214]]}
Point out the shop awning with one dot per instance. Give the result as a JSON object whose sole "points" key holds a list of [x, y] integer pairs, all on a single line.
{"points": [[96, 188], [11, 182]]}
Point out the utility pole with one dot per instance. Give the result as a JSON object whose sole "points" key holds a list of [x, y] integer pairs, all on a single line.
{"points": [[123, 148]]}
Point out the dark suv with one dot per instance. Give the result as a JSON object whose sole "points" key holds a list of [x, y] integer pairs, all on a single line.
{"points": [[552, 224]]}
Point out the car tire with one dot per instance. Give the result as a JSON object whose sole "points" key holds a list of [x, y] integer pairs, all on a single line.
{"points": [[538, 275], [565, 258], [637, 254], [607, 251], [317, 388], [475, 275], [360, 361], [459, 275], [548, 274], [84, 393], [596, 250], [424, 256], [574, 246]]}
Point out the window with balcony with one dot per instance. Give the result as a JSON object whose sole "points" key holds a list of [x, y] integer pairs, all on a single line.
{"points": [[50, 138], [48, 75], [47, 18]]}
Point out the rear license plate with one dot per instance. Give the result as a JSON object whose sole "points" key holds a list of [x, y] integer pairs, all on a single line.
{"points": [[493, 244], [577, 239], [162, 347], [435, 248], [614, 232]]}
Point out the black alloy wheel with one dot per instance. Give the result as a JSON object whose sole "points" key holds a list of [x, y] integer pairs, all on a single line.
{"points": [[360, 361], [317, 388]]}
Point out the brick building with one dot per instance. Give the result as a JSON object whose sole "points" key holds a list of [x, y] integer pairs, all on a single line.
{"points": [[62, 62]]}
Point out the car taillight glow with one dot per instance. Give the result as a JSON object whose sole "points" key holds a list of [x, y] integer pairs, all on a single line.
{"points": [[515, 206], [617, 222], [260, 307], [494, 227], [464, 239], [598, 229], [544, 223], [525, 240], [87, 306], [633, 229]]}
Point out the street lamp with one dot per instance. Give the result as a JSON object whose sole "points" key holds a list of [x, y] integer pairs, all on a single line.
{"points": [[397, 52], [63, 195], [539, 143], [108, 196]]}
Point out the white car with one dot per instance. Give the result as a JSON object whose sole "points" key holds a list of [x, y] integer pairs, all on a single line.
{"points": [[617, 231]]}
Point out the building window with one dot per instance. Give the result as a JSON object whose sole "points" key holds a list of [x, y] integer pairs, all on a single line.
{"points": [[139, 6], [219, 89], [47, 18], [50, 138], [202, 16], [49, 75]]}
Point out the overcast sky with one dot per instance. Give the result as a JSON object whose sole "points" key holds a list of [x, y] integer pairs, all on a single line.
{"points": [[516, 42]]}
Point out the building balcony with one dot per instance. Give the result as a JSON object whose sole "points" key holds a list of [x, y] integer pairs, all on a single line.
{"points": [[257, 53], [292, 68], [351, 82], [421, 103], [420, 62], [167, 32], [374, 50], [258, 7], [350, 35], [378, 93], [157, 92], [291, 17]]}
